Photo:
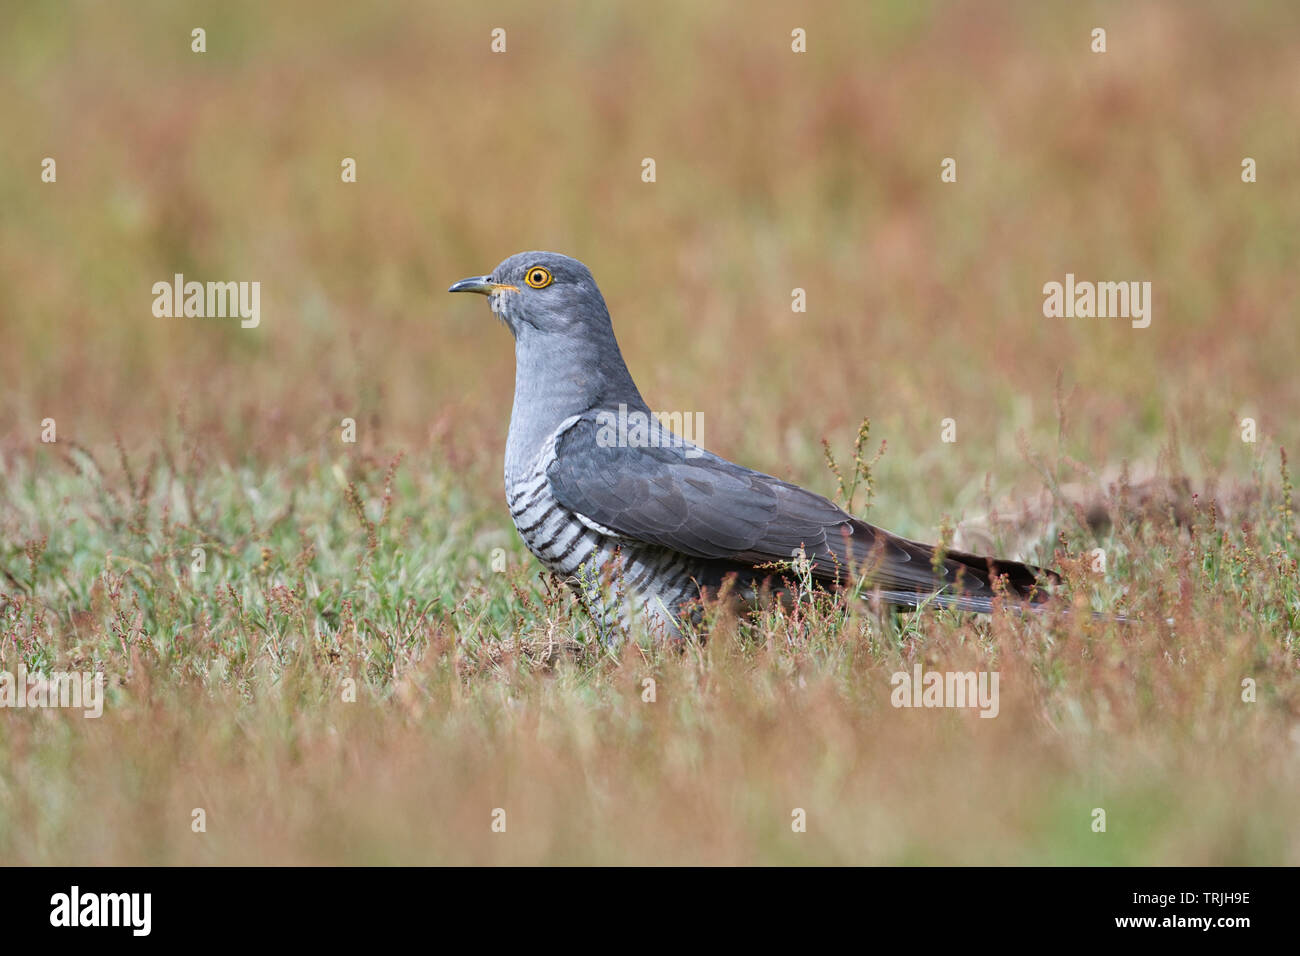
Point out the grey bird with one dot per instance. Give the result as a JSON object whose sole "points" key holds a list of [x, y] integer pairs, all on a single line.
{"points": [[642, 523]]}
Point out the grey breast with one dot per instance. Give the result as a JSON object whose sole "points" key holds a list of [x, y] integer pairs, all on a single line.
{"points": [[635, 580]]}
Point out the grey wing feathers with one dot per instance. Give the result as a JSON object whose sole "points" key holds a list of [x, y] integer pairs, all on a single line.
{"points": [[669, 493]]}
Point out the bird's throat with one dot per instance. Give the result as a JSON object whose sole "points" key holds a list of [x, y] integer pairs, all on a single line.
{"points": [[557, 377]]}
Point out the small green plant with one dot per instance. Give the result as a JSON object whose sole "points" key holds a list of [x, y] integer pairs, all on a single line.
{"points": [[862, 469]]}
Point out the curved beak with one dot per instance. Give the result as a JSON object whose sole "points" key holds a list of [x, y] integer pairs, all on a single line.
{"points": [[483, 285]]}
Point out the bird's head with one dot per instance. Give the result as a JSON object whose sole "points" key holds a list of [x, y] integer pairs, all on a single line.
{"points": [[542, 292]]}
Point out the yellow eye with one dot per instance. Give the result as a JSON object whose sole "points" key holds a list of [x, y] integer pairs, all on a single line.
{"points": [[538, 277]]}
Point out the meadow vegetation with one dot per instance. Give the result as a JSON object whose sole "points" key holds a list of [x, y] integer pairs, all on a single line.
{"points": [[389, 565]]}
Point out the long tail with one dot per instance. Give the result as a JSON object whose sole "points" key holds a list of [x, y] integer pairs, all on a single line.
{"points": [[973, 588], [1025, 590], [1023, 581]]}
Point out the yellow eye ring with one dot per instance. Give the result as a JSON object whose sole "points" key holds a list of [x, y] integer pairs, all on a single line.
{"points": [[538, 278]]}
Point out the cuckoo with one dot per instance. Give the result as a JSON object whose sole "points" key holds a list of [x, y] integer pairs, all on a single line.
{"points": [[645, 524]]}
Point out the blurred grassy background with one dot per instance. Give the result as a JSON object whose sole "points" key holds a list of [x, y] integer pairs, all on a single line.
{"points": [[775, 171]]}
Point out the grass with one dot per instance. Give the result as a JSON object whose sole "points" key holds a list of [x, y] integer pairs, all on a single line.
{"points": [[368, 663], [228, 689]]}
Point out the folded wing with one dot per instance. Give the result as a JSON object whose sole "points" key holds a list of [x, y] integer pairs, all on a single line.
{"points": [[675, 495]]}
